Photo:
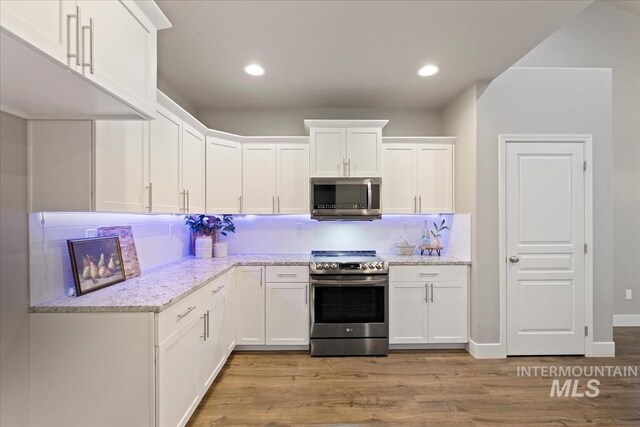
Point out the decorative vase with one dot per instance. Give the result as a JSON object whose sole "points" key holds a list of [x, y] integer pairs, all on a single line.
{"points": [[220, 249], [195, 235], [204, 247], [435, 242]]}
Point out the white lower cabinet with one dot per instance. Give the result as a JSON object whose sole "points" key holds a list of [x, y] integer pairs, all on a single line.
{"points": [[250, 302], [287, 313], [214, 342], [428, 305], [230, 309]]}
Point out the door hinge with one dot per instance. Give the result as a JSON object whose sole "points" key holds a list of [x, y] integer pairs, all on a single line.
{"points": [[584, 166], [586, 331], [585, 248]]}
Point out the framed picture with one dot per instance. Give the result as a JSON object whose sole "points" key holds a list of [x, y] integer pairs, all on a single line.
{"points": [[96, 263]]}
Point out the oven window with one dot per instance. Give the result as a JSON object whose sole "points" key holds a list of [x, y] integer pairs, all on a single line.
{"points": [[349, 304]]}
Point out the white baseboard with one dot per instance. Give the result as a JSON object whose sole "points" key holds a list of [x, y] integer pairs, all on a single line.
{"points": [[485, 351], [626, 320], [603, 349]]}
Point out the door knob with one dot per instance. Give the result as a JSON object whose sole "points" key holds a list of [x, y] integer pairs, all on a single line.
{"points": [[514, 259]]}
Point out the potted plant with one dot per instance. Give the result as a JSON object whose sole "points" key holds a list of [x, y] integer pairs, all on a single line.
{"points": [[437, 233], [222, 226], [201, 226]]}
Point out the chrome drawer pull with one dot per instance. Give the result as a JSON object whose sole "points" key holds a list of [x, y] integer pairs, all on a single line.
{"points": [[287, 274], [189, 310], [429, 274]]}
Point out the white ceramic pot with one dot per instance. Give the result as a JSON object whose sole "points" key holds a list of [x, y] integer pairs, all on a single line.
{"points": [[220, 249], [204, 246]]}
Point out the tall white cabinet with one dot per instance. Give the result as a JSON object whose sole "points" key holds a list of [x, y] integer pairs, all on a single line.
{"points": [[192, 164], [345, 148], [275, 178], [418, 175]]}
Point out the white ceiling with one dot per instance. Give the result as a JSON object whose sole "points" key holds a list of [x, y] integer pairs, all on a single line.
{"points": [[345, 53]]}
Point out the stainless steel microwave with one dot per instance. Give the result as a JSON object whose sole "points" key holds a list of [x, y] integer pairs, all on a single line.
{"points": [[355, 199]]}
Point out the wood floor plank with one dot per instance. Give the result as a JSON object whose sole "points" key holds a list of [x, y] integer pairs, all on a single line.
{"points": [[414, 388]]}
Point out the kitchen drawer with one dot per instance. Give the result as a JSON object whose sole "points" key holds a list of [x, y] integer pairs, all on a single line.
{"points": [[421, 273], [288, 274], [214, 288], [178, 315]]}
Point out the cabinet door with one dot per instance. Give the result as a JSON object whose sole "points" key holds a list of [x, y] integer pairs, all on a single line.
{"points": [[293, 179], [214, 345], [408, 317], [259, 178], [224, 176], [434, 171], [250, 306], [45, 24], [399, 178], [60, 165], [364, 152], [164, 161], [193, 164], [230, 311], [448, 312], [119, 166], [287, 313], [179, 376], [119, 48], [328, 152]]}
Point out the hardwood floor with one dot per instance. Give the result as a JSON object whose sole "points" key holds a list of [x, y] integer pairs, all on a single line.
{"points": [[445, 387]]}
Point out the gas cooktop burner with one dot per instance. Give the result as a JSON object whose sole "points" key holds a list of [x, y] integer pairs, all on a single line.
{"points": [[347, 262]]}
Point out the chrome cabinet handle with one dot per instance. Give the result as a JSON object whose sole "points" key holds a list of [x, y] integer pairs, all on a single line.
{"points": [[426, 292], [431, 292], [428, 274], [273, 204], [306, 294], [216, 290], [415, 204], [150, 187], [91, 30], [420, 203], [204, 333], [240, 204], [514, 259], [344, 167], [278, 203], [188, 208], [208, 325], [189, 310], [77, 18], [182, 201], [287, 274], [349, 167]]}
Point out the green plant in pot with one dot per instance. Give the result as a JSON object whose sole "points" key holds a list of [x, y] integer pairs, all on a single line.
{"points": [[210, 226], [437, 232]]}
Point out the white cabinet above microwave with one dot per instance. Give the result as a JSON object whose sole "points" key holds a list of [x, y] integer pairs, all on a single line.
{"points": [[346, 148], [83, 59]]}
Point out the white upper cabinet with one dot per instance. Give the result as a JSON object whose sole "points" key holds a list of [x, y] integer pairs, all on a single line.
{"points": [[110, 47], [275, 178], [349, 148], [50, 26], [119, 50], [119, 166], [434, 173], [193, 170], [164, 162], [418, 175], [398, 179], [224, 176], [292, 178], [259, 178]]}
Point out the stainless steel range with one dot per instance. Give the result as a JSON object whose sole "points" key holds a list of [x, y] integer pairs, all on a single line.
{"points": [[349, 304]]}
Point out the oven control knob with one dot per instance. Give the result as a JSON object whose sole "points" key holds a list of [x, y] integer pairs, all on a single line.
{"points": [[325, 266], [334, 266], [379, 265], [366, 265]]}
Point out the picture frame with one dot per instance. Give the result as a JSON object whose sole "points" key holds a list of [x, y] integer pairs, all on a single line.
{"points": [[96, 263]]}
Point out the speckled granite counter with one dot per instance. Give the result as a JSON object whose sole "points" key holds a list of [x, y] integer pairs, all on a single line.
{"points": [[158, 288]]}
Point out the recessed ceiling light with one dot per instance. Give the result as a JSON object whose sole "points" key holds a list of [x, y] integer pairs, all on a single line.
{"points": [[254, 70], [427, 70]]}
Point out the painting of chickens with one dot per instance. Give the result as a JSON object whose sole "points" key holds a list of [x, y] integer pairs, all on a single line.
{"points": [[96, 263]]}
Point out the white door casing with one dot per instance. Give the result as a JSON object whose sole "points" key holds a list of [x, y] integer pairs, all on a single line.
{"points": [[545, 224]]}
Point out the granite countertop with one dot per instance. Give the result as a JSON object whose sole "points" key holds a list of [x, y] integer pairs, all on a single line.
{"points": [[160, 287]]}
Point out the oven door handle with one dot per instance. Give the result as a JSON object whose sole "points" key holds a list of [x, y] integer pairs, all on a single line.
{"points": [[345, 283]]}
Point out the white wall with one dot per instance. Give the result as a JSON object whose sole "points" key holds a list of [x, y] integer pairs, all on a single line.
{"points": [[299, 234], [606, 36], [14, 273], [542, 101], [159, 239], [285, 122]]}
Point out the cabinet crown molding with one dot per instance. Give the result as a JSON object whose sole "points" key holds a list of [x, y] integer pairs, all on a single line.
{"points": [[312, 123], [420, 139]]}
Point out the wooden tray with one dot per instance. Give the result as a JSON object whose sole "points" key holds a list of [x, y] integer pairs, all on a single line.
{"points": [[430, 249]]}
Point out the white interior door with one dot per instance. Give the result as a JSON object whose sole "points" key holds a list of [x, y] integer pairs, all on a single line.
{"points": [[293, 179], [399, 179], [545, 236]]}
